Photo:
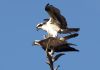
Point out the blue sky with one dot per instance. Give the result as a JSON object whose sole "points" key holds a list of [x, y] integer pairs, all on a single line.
{"points": [[18, 19]]}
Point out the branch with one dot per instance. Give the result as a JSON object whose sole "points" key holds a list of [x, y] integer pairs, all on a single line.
{"points": [[49, 62], [51, 58]]}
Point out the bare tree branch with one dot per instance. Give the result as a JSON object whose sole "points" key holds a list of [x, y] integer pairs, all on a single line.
{"points": [[50, 62]]}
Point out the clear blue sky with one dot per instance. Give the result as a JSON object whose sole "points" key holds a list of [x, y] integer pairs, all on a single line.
{"points": [[18, 19]]}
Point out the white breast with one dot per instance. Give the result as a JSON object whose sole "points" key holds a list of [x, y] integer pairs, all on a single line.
{"points": [[51, 28]]}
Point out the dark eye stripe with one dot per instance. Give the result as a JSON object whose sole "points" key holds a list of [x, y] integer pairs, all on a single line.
{"points": [[40, 25]]}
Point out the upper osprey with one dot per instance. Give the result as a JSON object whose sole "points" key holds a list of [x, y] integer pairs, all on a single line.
{"points": [[56, 23]]}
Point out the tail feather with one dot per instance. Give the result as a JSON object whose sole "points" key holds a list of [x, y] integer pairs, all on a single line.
{"points": [[71, 36], [67, 49], [70, 30], [72, 44], [73, 49], [73, 29]]}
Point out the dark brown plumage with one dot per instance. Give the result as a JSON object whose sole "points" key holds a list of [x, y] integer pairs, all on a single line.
{"points": [[57, 44], [56, 15]]}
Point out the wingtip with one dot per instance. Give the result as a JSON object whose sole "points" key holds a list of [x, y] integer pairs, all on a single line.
{"points": [[77, 50], [76, 34], [47, 4], [47, 7], [78, 29], [71, 36], [74, 49]]}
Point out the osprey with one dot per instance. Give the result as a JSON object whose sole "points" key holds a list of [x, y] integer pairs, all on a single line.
{"points": [[57, 44], [56, 23]]}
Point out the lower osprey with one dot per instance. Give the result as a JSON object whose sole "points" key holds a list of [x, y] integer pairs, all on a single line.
{"points": [[56, 23], [57, 44]]}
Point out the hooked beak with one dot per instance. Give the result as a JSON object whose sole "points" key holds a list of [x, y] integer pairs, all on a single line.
{"points": [[37, 28], [36, 42]]}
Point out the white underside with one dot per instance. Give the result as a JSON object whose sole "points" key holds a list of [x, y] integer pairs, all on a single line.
{"points": [[51, 29]]}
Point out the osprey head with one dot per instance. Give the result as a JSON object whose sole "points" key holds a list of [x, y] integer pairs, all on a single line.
{"points": [[39, 26]]}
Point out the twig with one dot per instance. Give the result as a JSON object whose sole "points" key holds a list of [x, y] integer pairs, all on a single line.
{"points": [[57, 67], [50, 62], [51, 58]]}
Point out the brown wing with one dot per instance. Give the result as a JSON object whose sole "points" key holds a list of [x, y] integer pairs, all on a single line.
{"points": [[52, 11], [71, 36], [65, 48], [56, 15], [56, 44], [51, 42]]}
